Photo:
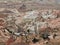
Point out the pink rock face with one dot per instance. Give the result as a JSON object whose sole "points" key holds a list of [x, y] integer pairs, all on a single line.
{"points": [[37, 43], [54, 23], [42, 29]]}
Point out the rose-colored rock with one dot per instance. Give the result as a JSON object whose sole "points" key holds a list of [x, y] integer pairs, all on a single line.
{"points": [[54, 23]]}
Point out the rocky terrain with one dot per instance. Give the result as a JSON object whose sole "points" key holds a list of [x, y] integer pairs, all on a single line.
{"points": [[30, 22]]}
